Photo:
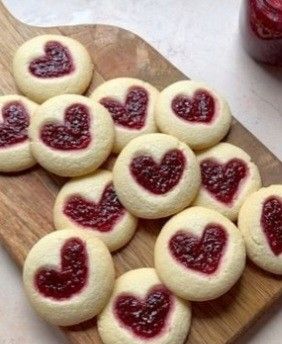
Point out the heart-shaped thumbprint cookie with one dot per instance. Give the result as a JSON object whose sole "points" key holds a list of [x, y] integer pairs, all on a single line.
{"points": [[16, 113], [71, 135], [66, 270], [91, 203], [194, 113], [142, 309], [156, 176], [228, 177], [49, 65], [201, 249], [131, 103], [260, 221]]}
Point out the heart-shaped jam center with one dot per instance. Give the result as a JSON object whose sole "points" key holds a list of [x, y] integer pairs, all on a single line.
{"points": [[223, 180], [158, 178], [101, 216], [271, 221], [73, 134], [199, 254], [132, 113], [70, 278], [199, 108], [56, 62], [147, 317], [13, 129]]}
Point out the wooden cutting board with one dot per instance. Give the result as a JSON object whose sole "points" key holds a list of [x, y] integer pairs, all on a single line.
{"points": [[26, 199]]}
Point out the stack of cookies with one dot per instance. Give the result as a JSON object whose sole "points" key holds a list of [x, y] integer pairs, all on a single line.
{"points": [[168, 162]]}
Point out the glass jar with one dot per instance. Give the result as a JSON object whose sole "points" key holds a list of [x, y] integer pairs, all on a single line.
{"points": [[261, 30]]}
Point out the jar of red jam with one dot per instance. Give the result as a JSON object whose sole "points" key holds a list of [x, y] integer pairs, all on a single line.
{"points": [[261, 30]]}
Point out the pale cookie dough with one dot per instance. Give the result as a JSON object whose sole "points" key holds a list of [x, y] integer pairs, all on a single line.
{"points": [[16, 113], [228, 177], [142, 310], [156, 175], [131, 103], [90, 203], [49, 65], [199, 254], [71, 135], [68, 276], [260, 221], [194, 113]]}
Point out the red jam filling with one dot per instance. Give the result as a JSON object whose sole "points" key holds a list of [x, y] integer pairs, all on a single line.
{"points": [[101, 216], [63, 283], [158, 178], [13, 129], [145, 318], [223, 181], [132, 113], [73, 134], [199, 254], [266, 18], [271, 222], [261, 30], [56, 62], [200, 108]]}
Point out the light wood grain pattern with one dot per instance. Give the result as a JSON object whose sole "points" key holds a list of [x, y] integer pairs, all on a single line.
{"points": [[26, 199]]}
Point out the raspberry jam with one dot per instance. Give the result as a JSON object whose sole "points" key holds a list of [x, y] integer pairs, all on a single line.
{"points": [[271, 222], [13, 129], [145, 318], [199, 254], [56, 62], [158, 178], [261, 30], [223, 181], [70, 279], [199, 109], [73, 134], [101, 216], [132, 113]]}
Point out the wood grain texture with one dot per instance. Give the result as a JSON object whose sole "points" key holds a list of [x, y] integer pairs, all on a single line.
{"points": [[26, 199]]}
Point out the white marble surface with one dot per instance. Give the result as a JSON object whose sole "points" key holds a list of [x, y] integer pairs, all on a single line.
{"points": [[201, 38]]}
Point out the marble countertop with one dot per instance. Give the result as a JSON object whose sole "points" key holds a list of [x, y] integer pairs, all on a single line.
{"points": [[201, 38]]}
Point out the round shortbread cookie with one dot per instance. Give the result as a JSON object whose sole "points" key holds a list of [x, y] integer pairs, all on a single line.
{"points": [[131, 102], [50, 65], [199, 254], [194, 113], [71, 135], [68, 276], [91, 203], [16, 113], [260, 221], [156, 175], [142, 310], [228, 177]]}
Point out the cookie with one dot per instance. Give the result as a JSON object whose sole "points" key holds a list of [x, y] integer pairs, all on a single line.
{"points": [[142, 310], [199, 254], [260, 221], [71, 135], [228, 177], [131, 102], [49, 65], [156, 175], [16, 113], [68, 276], [194, 113], [91, 203]]}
